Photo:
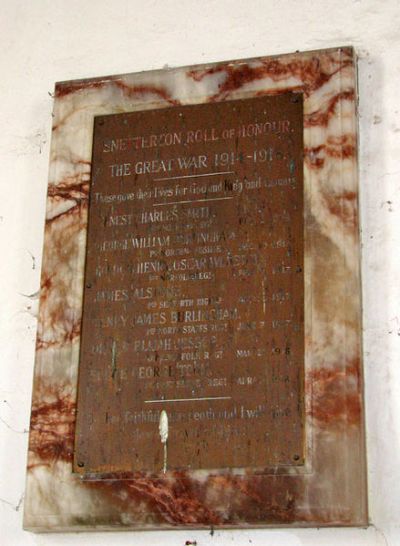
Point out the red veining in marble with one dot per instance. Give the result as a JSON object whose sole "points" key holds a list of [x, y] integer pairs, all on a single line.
{"points": [[70, 189], [173, 501], [342, 147], [52, 427], [335, 395], [182, 500], [322, 117], [134, 90], [64, 89], [60, 323], [46, 283], [342, 205], [68, 336], [130, 91], [311, 72], [79, 195]]}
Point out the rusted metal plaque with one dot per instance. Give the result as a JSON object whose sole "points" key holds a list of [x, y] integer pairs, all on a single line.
{"points": [[193, 306]]}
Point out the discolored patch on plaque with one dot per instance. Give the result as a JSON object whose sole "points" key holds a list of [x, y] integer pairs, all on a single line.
{"points": [[192, 346]]}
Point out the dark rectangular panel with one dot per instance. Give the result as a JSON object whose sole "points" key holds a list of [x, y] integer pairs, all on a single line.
{"points": [[193, 308]]}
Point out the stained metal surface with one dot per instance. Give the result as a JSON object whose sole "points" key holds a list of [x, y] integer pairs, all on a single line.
{"points": [[193, 310]]}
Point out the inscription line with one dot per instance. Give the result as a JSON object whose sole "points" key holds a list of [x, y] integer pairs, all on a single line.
{"points": [[189, 399], [191, 201], [192, 176]]}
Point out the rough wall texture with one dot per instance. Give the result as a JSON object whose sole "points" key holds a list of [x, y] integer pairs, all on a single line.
{"points": [[49, 41]]}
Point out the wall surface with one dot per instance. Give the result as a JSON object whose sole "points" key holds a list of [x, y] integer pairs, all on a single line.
{"points": [[47, 41]]}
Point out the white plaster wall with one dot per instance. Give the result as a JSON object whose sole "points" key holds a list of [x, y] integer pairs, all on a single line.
{"points": [[43, 41]]}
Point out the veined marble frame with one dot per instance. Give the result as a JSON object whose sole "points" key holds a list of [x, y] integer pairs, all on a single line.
{"points": [[331, 487]]}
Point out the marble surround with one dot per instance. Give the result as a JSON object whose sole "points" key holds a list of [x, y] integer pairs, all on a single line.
{"points": [[331, 488]]}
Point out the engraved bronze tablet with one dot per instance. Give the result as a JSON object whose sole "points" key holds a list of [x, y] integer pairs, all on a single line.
{"points": [[198, 355], [193, 310]]}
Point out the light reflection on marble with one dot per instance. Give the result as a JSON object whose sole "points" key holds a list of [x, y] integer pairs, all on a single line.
{"points": [[331, 489]]}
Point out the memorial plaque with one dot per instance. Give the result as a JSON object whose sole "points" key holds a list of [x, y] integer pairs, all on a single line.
{"points": [[192, 349], [198, 357]]}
